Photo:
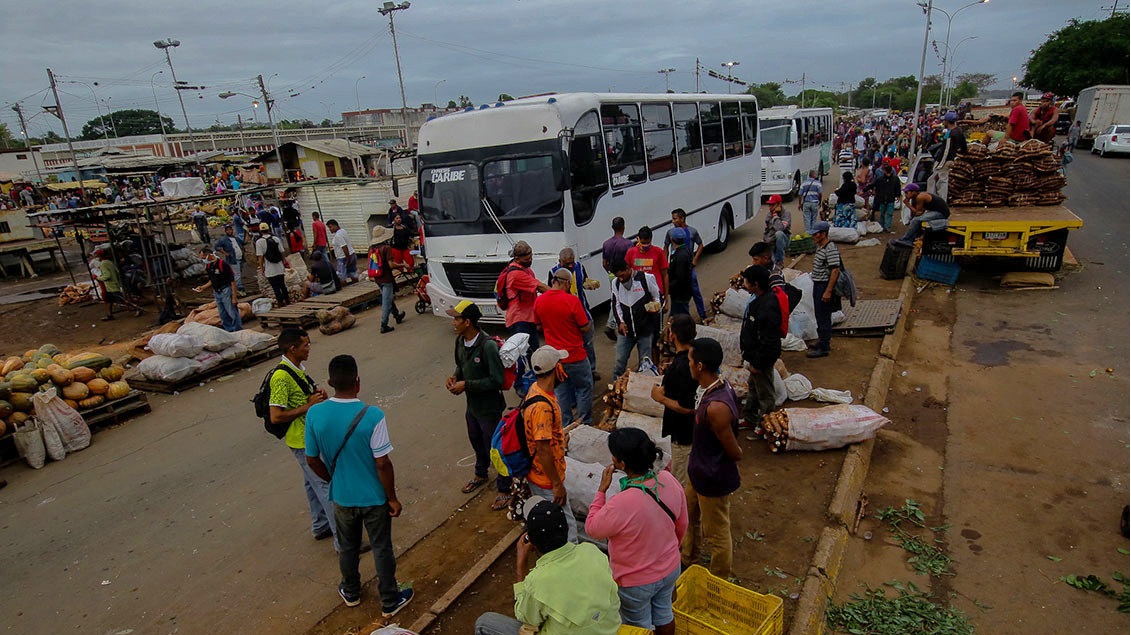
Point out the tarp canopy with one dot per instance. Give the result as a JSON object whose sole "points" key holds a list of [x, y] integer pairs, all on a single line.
{"points": [[187, 186], [73, 185]]}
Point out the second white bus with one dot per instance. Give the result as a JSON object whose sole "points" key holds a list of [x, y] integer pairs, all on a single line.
{"points": [[794, 141], [554, 170]]}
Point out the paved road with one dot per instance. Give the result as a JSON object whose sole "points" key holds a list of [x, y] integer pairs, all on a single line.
{"points": [[192, 519]]}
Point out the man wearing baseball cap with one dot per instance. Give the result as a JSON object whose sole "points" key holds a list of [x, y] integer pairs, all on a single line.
{"points": [[825, 272], [571, 588], [479, 375], [924, 209], [953, 144], [272, 265], [545, 440], [777, 230]]}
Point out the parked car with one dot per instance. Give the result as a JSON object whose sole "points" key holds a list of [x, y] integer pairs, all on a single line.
{"points": [[1113, 139]]}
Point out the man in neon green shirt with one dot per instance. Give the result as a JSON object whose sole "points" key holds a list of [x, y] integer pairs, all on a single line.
{"points": [[569, 591]]}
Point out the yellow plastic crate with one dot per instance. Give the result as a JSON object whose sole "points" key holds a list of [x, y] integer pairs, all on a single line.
{"points": [[625, 629], [706, 605]]}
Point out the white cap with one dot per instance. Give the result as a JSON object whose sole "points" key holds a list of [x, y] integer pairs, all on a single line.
{"points": [[545, 359]]}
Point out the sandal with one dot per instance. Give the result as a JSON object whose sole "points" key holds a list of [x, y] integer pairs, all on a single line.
{"points": [[473, 485], [502, 501]]}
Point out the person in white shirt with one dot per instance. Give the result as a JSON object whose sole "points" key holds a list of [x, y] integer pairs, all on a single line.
{"points": [[343, 252], [272, 263]]}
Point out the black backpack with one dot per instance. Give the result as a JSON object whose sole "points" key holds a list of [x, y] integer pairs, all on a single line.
{"points": [[262, 400], [272, 253]]}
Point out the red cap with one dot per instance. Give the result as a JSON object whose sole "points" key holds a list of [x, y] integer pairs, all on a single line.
{"points": [[773, 200]]}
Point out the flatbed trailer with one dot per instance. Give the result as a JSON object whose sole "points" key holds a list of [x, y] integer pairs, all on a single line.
{"points": [[1038, 234]]}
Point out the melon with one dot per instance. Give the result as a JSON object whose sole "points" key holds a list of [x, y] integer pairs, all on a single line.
{"points": [[40, 375], [62, 376], [76, 391], [11, 365], [112, 373], [23, 382], [95, 361], [98, 386], [117, 390], [82, 374], [18, 418], [21, 401], [72, 403], [91, 402], [6, 409]]}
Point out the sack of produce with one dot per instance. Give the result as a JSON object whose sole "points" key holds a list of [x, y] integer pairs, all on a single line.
{"points": [[259, 306], [732, 354], [235, 351], [798, 387], [827, 428], [29, 443], [638, 395], [843, 234], [734, 303], [208, 360], [588, 444], [215, 339], [254, 340], [828, 395], [780, 391], [175, 345], [168, 369], [52, 442], [52, 411]]}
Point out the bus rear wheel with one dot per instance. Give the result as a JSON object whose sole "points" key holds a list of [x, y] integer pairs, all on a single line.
{"points": [[726, 224]]}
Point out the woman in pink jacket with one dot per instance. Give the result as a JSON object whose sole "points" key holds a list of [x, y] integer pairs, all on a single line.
{"points": [[644, 524]]}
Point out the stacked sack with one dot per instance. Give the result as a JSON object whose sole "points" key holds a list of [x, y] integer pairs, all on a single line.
{"points": [[1015, 175], [197, 348], [186, 263]]}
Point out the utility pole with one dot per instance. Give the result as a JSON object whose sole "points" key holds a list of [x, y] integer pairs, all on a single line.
{"points": [[389, 9], [239, 122], [697, 75], [27, 140], [665, 72], [271, 120], [58, 112], [802, 90], [919, 90], [165, 45]]}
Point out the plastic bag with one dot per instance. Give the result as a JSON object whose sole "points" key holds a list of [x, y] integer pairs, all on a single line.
{"points": [[871, 242], [793, 343], [798, 387], [54, 412], [828, 395], [874, 227], [52, 442], [581, 482], [814, 429], [29, 443], [905, 214], [215, 339], [805, 283], [168, 369], [208, 360], [648, 367], [393, 629], [254, 340], [862, 228], [734, 303], [175, 345], [803, 324], [836, 317], [259, 306], [780, 392], [514, 348]]}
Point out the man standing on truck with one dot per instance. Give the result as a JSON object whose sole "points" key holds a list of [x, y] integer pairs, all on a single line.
{"points": [[1043, 119], [1017, 130], [953, 144]]}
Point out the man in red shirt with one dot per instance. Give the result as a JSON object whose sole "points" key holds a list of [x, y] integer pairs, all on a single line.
{"points": [[1017, 130], [521, 287], [649, 258], [318, 228], [565, 322]]}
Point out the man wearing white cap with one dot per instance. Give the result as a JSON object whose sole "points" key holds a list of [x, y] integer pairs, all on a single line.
{"points": [[545, 439]]}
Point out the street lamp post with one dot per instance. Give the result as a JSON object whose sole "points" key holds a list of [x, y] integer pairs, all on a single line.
{"points": [[919, 89], [110, 114], [436, 93], [665, 72], [165, 45], [946, 44], [950, 55], [388, 9], [156, 103], [356, 95], [729, 66], [270, 118], [97, 105]]}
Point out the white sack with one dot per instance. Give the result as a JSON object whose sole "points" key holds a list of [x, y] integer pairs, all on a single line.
{"points": [[831, 427], [780, 392], [259, 306], [802, 324], [167, 369], [215, 339], [653, 426], [71, 427], [514, 348], [874, 227], [254, 340], [208, 360], [828, 395], [793, 343], [843, 234], [638, 395], [871, 242], [837, 317], [732, 354], [235, 351], [175, 345], [862, 228], [798, 386], [581, 482], [734, 303]]}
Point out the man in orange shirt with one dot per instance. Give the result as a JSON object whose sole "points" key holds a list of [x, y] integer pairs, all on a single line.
{"points": [[545, 439]]}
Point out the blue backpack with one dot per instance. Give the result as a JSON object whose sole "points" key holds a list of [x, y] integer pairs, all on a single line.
{"points": [[509, 453]]}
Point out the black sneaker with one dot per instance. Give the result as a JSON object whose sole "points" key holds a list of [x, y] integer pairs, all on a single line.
{"points": [[351, 599], [322, 535], [611, 334], [817, 352], [399, 317], [385, 328], [405, 598]]}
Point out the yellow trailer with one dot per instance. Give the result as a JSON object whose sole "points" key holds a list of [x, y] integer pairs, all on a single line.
{"points": [[1038, 234]]}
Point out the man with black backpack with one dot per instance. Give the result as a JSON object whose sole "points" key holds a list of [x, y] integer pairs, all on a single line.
{"points": [[290, 394], [272, 265]]}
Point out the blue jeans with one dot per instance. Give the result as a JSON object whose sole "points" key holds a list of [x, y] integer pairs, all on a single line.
{"points": [[810, 212], [781, 241], [318, 497], [885, 211], [479, 432], [577, 390], [497, 624], [625, 343], [379, 525], [697, 295], [347, 268], [648, 605], [321, 249], [229, 314], [548, 494], [590, 350], [388, 302], [237, 271], [916, 227]]}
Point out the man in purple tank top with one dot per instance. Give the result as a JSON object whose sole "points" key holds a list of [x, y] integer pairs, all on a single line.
{"points": [[712, 469]]}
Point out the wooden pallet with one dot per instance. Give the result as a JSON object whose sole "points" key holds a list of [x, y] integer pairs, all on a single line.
{"points": [[303, 314], [192, 381], [117, 411]]}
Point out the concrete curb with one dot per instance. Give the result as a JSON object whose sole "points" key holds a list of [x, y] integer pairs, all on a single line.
{"points": [[824, 569]]}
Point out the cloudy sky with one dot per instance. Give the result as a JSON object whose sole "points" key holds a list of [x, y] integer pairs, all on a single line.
{"points": [[318, 51]]}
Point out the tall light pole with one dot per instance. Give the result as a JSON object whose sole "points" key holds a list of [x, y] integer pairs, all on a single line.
{"points": [[436, 93], [919, 89], [388, 9], [730, 67], [928, 7], [97, 106], [165, 45], [357, 95], [665, 72], [951, 54], [110, 114], [270, 103], [157, 105]]}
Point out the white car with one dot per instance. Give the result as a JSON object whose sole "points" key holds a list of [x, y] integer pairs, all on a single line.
{"points": [[1114, 139]]}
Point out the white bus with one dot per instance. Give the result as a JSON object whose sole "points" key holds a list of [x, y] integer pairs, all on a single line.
{"points": [[554, 170], [794, 141]]}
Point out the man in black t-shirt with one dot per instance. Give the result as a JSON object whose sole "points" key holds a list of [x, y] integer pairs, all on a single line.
{"points": [[322, 279], [677, 394], [222, 282]]}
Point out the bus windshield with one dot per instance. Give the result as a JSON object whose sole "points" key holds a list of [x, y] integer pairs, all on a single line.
{"points": [[450, 193], [775, 138]]}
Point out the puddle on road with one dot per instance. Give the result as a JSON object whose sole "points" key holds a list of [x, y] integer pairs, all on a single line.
{"points": [[995, 353]]}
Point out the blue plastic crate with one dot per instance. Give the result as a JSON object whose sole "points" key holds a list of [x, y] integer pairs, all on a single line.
{"points": [[938, 271]]}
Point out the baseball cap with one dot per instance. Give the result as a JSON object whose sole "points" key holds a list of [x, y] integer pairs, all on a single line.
{"points": [[1048, 96], [544, 520], [264, 227], [545, 359], [465, 309], [950, 116], [911, 187], [819, 226], [773, 200]]}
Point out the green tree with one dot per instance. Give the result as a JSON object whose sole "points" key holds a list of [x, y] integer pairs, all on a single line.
{"points": [[452, 103], [326, 123], [981, 81], [6, 136], [1082, 54], [465, 101], [769, 94], [127, 122], [505, 97]]}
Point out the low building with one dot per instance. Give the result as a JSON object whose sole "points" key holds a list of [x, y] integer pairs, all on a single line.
{"points": [[320, 159], [24, 162]]}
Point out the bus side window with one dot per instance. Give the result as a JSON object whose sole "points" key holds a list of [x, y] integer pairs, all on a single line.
{"points": [[749, 125], [624, 143], [688, 137], [659, 141], [711, 120], [732, 129], [797, 131], [589, 178]]}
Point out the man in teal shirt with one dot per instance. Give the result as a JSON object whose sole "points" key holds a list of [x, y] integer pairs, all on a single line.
{"points": [[347, 445], [569, 591]]}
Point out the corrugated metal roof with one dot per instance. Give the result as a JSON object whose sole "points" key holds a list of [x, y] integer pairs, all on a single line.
{"points": [[340, 148]]}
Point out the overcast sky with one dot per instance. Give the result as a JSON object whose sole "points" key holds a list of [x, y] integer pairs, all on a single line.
{"points": [[480, 48]]}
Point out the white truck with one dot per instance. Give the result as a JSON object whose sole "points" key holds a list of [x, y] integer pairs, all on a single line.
{"points": [[1099, 107]]}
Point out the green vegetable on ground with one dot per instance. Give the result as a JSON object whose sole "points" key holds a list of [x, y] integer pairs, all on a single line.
{"points": [[910, 611], [926, 559]]}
